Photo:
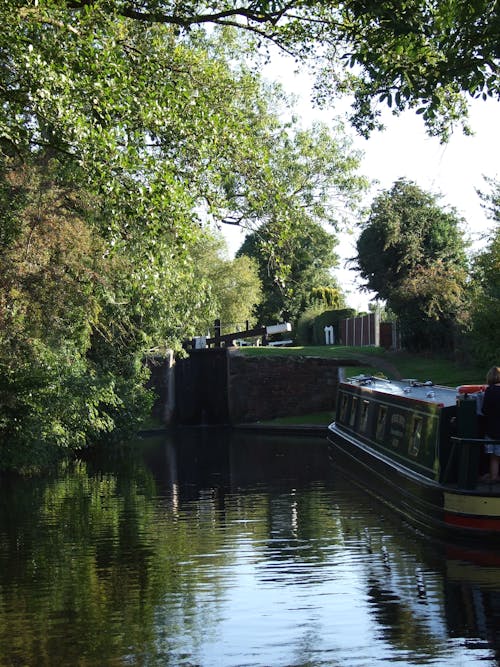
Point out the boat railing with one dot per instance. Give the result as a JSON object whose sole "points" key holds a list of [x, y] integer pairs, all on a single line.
{"points": [[474, 441], [465, 453]]}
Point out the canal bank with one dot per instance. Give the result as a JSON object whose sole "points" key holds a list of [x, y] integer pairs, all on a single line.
{"points": [[232, 386]]}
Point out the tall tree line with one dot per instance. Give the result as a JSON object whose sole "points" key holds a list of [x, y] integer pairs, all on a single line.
{"points": [[414, 254], [122, 145], [126, 129]]}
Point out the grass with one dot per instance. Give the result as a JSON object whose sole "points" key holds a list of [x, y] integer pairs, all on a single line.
{"points": [[377, 361], [374, 361], [333, 352], [440, 371]]}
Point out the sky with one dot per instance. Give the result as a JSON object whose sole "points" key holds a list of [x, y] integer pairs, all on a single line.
{"points": [[454, 170]]}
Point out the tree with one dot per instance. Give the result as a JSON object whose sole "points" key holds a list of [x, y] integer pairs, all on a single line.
{"points": [[168, 131], [309, 180], [234, 285], [328, 297], [309, 253], [52, 281], [415, 54], [412, 255], [491, 199], [427, 56], [107, 190], [485, 335]]}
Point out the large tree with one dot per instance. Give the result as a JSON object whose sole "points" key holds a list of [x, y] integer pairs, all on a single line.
{"points": [[144, 127], [423, 54], [411, 253], [233, 285], [53, 286], [308, 251], [106, 188], [311, 181], [311, 185]]}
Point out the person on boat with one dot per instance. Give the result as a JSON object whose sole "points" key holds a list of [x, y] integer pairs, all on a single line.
{"points": [[491, 413]]}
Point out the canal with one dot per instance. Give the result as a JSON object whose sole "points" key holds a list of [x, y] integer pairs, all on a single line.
{"points": [[209, 548]]}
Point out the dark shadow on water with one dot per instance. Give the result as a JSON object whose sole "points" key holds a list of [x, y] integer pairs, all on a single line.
{"points": [[197, 458]]}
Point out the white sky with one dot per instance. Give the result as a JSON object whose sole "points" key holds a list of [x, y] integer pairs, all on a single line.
{"points": [[454, 170]]}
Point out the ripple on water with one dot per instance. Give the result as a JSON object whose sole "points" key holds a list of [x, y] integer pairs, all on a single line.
{"points": [[128, 568]]}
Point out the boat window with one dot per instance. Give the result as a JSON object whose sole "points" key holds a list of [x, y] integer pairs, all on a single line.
{"points": [[381, 421], [354, 408], [343, 407], [416, 436], [364, 415]]}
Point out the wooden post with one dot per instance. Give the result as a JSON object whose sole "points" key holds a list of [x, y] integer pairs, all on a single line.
{"points": [[217, 332]]}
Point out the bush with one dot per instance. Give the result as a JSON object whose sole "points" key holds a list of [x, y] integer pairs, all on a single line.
{"points": [[312, 323]]}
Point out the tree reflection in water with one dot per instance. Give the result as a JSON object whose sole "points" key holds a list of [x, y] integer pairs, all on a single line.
{"points": [[217, 548]]}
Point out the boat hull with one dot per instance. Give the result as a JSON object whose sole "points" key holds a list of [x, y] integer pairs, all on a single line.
{"points": [[423, 502]]}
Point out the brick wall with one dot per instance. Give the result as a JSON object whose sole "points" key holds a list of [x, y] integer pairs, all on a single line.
{"points": [[267, 387]]}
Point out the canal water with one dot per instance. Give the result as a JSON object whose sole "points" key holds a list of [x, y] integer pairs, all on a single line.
{"points": [[206, 548]]}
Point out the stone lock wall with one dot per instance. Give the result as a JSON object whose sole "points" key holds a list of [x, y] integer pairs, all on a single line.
{"points": [[268, 387], [225, 387]]}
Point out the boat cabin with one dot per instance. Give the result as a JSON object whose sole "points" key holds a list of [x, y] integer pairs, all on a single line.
{"points": [[413, 424]]}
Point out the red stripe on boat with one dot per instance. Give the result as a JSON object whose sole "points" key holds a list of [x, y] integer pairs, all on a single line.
{"points": [[473, 522]]}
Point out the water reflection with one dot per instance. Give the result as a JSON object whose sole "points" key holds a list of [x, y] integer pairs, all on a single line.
{"points": [[211, 548]]}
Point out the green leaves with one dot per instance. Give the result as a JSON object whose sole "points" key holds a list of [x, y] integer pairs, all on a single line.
{"points": [[485, 285], [414, 55], [412, 255], [131, 141], [111, 63]]}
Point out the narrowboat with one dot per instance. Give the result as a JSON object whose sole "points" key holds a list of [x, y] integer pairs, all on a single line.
{"points": [[418, 448]]}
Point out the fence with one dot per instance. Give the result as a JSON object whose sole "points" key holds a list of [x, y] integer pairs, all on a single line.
{"points": [[363, 330], [368, 330]]}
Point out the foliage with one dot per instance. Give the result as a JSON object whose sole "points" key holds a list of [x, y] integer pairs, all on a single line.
{"points": [[485, 335], [427, 56], [312, 323], [385, 313], [233, 285], [164, 127], [308, 253], [412, 254], [328, 296], [304, 334], [413, 54], [313, 179], [125, 130], [331, 318], [491, 199], [53, 281], [319, 313], [121, 142]]}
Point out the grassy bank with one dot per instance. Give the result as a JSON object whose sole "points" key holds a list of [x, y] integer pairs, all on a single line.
{"points": [[376, 361]]}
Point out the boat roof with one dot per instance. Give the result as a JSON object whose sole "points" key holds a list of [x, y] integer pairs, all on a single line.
{"points": [[411, 388]]}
